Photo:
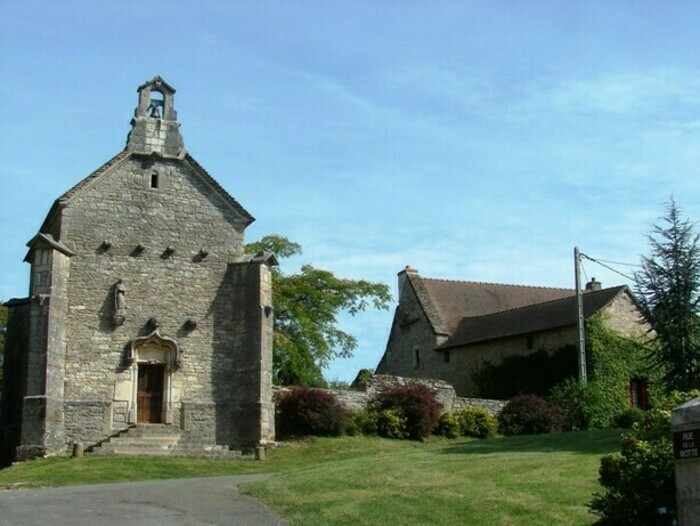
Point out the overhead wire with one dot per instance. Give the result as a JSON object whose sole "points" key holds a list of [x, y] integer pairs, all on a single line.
{"points": [[600, 262], [619, 263]]}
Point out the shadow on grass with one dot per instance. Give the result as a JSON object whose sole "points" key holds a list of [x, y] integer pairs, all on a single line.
{"points": [[585, 442]]}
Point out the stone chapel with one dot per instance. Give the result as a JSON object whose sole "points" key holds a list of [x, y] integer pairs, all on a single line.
{"points": [[143, 310]]}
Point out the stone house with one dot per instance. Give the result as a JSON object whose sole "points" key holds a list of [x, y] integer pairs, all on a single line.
{"points": [[448, 329], [143, 308]]}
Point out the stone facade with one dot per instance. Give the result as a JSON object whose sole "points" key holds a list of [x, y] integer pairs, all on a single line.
{"points": [[429, 340], [140, 264]]}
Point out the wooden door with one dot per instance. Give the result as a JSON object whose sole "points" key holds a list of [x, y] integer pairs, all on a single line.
{"points": [[150, 393]]}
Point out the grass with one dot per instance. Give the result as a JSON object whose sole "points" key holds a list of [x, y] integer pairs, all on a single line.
{"points": [[546, 479], [533, 480]]}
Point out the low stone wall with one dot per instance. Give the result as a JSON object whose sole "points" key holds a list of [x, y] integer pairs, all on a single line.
{"points": [[446, 395]]}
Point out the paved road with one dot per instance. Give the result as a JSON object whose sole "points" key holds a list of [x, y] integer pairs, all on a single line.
{"points": [[184, 502]]}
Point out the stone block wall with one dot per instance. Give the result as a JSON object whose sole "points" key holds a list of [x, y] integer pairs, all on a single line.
{"points": [[623, 316], [178, 249], [409, 351], [465, 361], [87, 421], [251, 382], [446, 395], [199, 422]]}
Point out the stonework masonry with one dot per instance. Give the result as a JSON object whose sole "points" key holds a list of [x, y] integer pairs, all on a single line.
{"points": [[445, 394], [419, 340], [194, 306]]}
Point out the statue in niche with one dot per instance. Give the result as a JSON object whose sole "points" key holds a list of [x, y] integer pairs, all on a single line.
{"points": [[119, 302]]}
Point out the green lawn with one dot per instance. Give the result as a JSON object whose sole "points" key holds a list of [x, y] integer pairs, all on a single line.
{"points": [[546, 479]]}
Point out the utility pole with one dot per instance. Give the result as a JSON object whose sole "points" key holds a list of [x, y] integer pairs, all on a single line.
{"points": [[580, 321]]}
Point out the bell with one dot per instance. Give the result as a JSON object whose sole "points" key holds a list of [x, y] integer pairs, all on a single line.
{"points": [[155, 111]]}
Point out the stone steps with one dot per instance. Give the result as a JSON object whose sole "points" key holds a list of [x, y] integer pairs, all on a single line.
{"points": [[155, 440]]}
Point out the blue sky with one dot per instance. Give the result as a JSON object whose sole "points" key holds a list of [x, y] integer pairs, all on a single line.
{"points": [[472, 140]]}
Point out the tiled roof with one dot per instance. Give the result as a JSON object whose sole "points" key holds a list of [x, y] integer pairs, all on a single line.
{"points": [[532, 318], [447, 302]]}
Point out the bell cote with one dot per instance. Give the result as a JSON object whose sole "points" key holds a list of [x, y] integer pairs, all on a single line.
{"points": [[154, 128]]}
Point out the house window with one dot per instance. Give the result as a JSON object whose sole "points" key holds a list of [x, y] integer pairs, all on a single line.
{"points": [[638, 393], [446, 356], [154, 180], [530, 343], [416, 358]]}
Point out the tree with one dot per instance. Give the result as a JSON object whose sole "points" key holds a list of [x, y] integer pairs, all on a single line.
{"points": [[668, 287], [307, 305], [3, 329]]}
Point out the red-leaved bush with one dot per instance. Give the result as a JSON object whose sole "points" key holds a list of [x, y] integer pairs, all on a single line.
{"points": [[417, 403], [529, 415], [309, 411]]}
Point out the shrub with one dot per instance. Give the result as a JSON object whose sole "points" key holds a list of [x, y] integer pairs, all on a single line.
{"points": [[529, 415], [418, 405], [629, 417], [309, 411], [641, 478], [391, 423], [362, 423], [535, 373], [580, 404], [669, 401], [448, 426], [477, 422], [364, 377]]}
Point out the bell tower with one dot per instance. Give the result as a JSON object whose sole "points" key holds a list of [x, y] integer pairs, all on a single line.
{"points": [[154, 128]]}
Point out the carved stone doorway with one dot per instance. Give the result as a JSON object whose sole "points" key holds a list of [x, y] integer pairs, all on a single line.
{"points": [[154, 359], [149, 400]]}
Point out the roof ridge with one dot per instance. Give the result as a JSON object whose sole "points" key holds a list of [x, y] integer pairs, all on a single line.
{"points": [[429, 307], [539, 303], [499, 284]]}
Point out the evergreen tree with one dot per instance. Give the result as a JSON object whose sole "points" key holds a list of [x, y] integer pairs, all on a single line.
{"points": [[668, 287], [3, 330]]}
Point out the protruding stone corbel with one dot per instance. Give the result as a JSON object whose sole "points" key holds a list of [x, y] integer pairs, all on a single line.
{"points": [[190, 324], [41, 299], [201, 255], [153, 323], [140, 248], [169, 251]]}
